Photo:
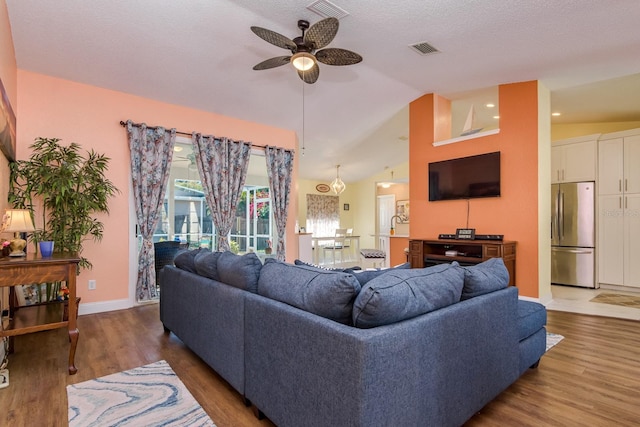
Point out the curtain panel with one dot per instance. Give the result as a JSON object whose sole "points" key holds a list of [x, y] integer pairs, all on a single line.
{"points": [[323, 214], [222, 164], [151, 154], [279, 170]]}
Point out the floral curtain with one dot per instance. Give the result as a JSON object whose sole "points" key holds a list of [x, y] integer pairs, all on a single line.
{"points": [[151, 154], [279, 169], [323, 214], [222, 164]]}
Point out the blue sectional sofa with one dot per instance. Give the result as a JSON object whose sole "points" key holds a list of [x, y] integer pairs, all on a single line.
{"points": [[306, 346]]}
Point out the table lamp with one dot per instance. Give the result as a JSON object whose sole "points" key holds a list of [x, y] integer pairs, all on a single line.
{"points": [[18, 221]]}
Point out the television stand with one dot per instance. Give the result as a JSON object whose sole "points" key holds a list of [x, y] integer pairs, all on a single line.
{"points": [[429, 252]]}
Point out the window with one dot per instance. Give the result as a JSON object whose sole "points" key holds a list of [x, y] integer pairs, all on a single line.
{"points": [[186, 216]]}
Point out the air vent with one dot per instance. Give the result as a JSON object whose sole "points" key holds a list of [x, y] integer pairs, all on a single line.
{"points": [[424, 48], [327, 9]]}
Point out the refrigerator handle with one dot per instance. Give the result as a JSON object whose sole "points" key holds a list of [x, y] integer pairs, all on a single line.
{"points": [[560, 214]]}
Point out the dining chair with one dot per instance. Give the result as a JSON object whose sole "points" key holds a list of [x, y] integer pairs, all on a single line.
{"points": [[338, 244]]}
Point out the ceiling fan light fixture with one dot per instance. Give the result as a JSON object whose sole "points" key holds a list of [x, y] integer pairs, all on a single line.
{"points": [[337, 185], [303, 61]]}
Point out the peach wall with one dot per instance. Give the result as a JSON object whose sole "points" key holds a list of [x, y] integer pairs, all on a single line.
{"points": [[515, 213], [90, 116], [8, 75]]}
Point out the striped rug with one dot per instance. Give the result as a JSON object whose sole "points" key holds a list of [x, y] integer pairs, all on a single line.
{"points": [[151, 395], [552, 340]]}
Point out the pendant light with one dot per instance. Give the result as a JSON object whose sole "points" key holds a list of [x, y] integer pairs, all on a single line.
{"points": [[337, 185]]}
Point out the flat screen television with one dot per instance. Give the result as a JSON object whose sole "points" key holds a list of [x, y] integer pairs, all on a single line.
{"points": [[465, 177]]}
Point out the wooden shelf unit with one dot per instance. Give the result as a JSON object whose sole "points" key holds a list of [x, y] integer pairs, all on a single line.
{"points": [[429, 252], [42, 317]]}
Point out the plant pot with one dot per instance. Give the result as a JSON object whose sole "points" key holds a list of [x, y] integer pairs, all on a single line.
{"points": [[46, 248]]}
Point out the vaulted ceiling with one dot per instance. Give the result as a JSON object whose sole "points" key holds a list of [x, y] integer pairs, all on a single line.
{"points": [[587, 52]]}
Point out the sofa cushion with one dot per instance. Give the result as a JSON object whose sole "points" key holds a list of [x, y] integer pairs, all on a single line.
{"points": [[485, 277], [185, 260], [206, 264], [364, 276], [240, 271], [406, 293], [326, 293], [532, 316]]}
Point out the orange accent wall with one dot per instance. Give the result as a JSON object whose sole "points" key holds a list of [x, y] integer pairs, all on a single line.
{"points": [[514, 214], [90, 116], [396, 246]]}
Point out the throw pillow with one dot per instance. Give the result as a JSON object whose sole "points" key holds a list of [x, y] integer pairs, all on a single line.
{"points": [[326, 293], [240, 271], [485, 277], [364, 276], [206, 264], [185, 260], [406, 293]]}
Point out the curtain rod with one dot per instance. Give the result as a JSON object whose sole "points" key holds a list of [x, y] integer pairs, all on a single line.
{"points": [[123, 124]]}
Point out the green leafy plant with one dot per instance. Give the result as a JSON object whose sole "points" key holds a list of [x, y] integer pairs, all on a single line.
{"points": [[69, 187]]}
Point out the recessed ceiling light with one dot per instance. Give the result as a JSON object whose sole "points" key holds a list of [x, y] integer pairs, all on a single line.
{"points": [[177, 148], [496, 117], [556, 114], [490, 105]]}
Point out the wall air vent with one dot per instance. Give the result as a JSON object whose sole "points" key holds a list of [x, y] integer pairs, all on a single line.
{"points": [[424, 48], [327, 9]]}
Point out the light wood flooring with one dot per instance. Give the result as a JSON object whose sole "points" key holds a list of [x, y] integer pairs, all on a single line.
{"points": [[591, 378]]}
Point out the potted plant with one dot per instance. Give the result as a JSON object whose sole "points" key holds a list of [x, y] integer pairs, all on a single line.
{"points": [[69, 187]]}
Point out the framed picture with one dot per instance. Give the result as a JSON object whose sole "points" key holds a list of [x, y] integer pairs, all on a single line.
{"points": [[323, 188], [346, 206], [402, 210], [7, 126]]}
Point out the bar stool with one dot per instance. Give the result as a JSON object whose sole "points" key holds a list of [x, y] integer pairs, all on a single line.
{"points": [[374, 256]]}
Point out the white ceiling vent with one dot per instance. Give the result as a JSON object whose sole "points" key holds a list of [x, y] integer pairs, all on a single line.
{"points": [[327, 9], [424, 48]]}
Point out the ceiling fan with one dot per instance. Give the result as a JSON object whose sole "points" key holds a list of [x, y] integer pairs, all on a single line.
{"points": [[304, 49]]}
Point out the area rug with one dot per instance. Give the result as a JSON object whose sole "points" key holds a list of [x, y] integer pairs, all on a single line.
{"points": [[552, 340], [617, 299], [151, 395]]}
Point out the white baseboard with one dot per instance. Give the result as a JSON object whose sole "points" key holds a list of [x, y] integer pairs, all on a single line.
{"points": [[100, 307]]}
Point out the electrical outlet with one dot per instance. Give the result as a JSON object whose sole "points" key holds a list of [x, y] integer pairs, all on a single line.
{"points": [[92, 285]]}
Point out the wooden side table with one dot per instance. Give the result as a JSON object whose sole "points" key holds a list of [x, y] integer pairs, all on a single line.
{"points": [[42, 317]]}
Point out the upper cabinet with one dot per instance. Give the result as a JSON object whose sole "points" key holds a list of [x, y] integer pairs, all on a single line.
{"points": [[574, 160], [619, 163]]}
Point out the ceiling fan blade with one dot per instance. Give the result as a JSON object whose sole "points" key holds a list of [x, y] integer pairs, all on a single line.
{"points": [[311, 75], [322, 32], [335, 56], [273, 63], [274, 38]]}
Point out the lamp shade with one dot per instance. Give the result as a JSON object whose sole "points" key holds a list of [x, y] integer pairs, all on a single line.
{"points": [[17, 221]]}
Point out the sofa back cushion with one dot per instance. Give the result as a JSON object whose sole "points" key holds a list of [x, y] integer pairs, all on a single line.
{"points": [[326, 293], [185, 260], [240, 271], [406, 293], [206, 264], [485, 277]]}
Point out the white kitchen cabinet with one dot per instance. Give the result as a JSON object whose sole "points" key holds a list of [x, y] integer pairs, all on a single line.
{"points": [[574, 160], [610, 240], [631, 240], [619, 165], [619, 208]]}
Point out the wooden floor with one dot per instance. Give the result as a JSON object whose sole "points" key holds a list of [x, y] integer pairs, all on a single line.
{"points": [[591, 378]]}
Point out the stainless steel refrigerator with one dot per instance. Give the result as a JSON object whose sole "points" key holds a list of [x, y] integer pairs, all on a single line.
{"points": [[573, 234]]}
